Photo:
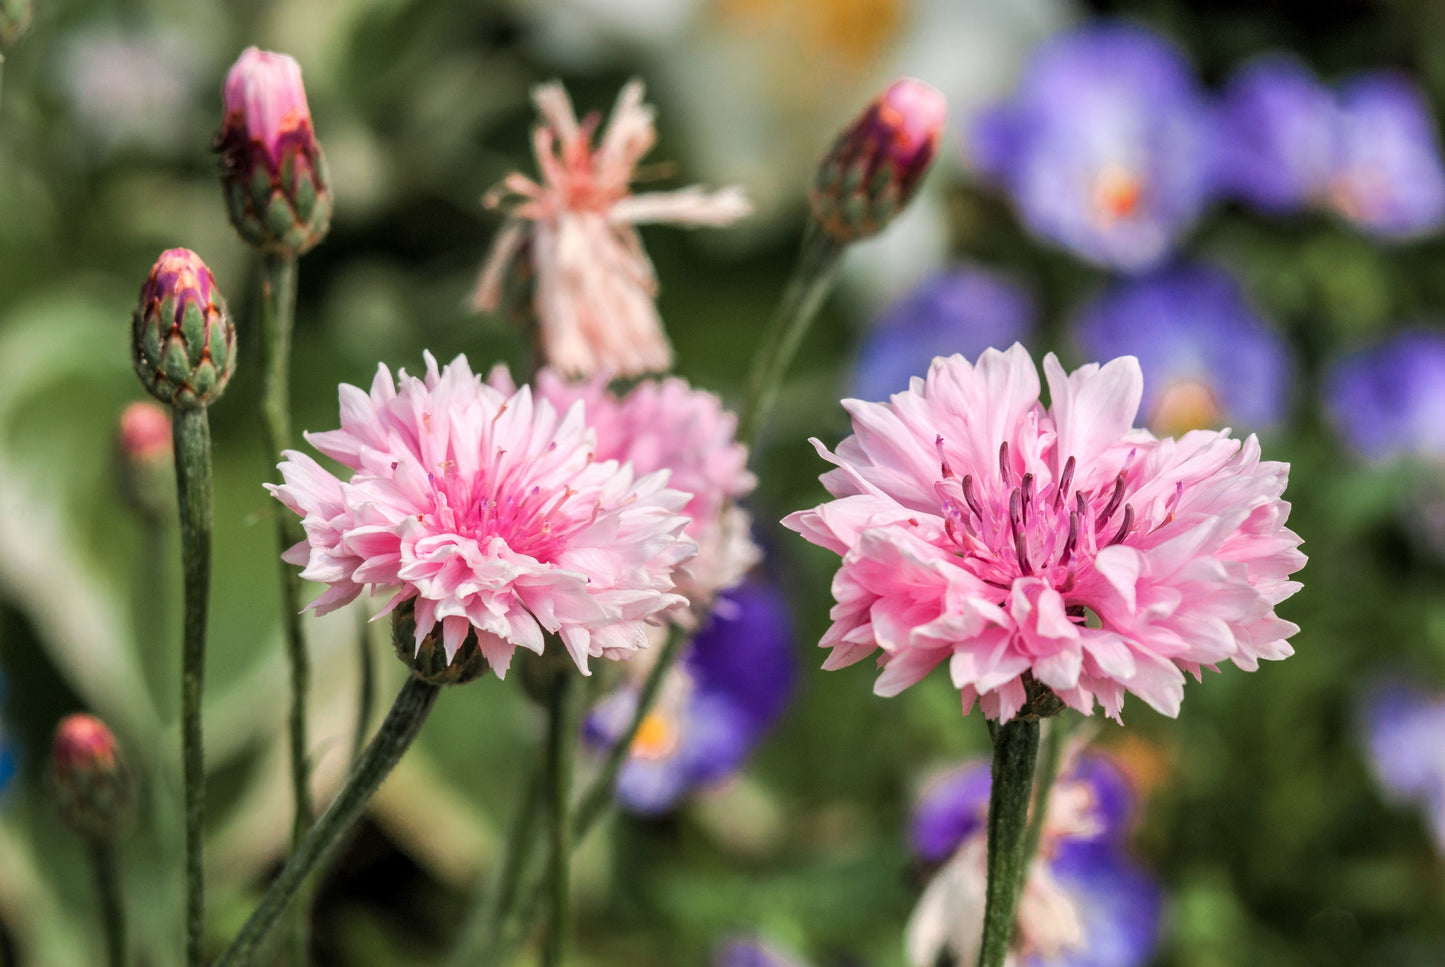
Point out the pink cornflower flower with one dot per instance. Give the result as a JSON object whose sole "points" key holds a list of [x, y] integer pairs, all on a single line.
{"points": [[668, 425], [1058, 547], [490, 513], [593, 290]]}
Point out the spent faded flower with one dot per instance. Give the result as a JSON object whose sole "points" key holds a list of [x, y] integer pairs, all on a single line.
{"points": [[668, 425], [1084, 899], [572, 241], [1054, 547], [489, 512]]}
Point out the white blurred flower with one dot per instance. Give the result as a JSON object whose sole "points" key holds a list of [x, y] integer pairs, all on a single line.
{"points": [[132, 88]]}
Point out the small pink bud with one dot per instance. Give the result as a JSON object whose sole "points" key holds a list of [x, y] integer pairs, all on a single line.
{"points": [[183, 344], [272, 169], [93, 791], [874, 167], [144, 461]]}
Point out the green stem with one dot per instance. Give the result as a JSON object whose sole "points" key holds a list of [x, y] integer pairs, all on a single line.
{"points": [[811, 281], [564, 707], [408, 713], [278, 310], [107, 886], [366, 691], [1048, 771], [516, 920], [191, 434], [485, 919], [1015, 749]]}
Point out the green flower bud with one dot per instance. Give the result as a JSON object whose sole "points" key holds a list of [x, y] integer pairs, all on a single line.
{"points": [[182, 342], [428, 660], [272, 170], [93, 789], [145, 463]]}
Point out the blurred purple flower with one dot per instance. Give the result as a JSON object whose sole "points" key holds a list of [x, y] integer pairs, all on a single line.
{"points": [[1389, 400], [1405, 736], [1209, 359], [961, 310], [728, 689], [1085, 903], [750, 952], [1277, 137], [1389, 180], [1105, 146]]}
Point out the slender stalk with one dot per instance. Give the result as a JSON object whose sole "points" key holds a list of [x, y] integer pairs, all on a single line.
{"points": [[484, 921], [517, 918], [278, 310], [1015, 749], [366, 691], [112, 915], [564, 707], [2, 75], [1047, 772], [191, 435], [413, 703], [811, 281]]}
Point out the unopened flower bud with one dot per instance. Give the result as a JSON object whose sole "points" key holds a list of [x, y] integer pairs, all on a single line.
{"points": [[182, 340], [875, 166], [15, 17], [93, 789], [428, 660], [272, 169], [145, 464]]}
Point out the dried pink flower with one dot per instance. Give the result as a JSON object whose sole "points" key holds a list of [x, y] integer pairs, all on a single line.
{"points": [[1052, 547], [590, 284], [668, 425], [489, 512]]}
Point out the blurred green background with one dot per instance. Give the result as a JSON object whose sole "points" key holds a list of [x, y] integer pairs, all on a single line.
{"points": [[1260, 817]]}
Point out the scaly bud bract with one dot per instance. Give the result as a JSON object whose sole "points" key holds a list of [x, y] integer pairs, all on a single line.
{"points": [[145, 464], [428, 659], [182, 341], [272, 170], [875, 166], [93, 789]]}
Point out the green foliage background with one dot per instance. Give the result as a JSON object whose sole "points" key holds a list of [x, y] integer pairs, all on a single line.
{"points": [[1261, 819]]}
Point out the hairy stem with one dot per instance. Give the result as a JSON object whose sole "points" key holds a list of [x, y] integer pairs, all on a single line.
{"points": [[112, 913], [191, 436], [1015, 749], [413, 703], [811, 281], [564, 708]]}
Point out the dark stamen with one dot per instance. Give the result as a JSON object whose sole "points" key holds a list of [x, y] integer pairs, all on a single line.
{"points": [[1065, 480], [1071, 539], [947, 470], [1028, 495], [1003, 461], [968, 496], [1113, 503], [1124, 527], [1015, 519]]}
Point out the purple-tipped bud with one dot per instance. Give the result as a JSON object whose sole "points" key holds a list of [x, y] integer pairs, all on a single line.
{"points": [[272, 169], [15, 17], [428, 658], [182, 341], [145, 465], [93, 789], [875, 166]]}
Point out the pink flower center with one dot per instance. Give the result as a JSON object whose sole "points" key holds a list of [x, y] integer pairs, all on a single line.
{"points": [[1014, 529], [536, 523]]}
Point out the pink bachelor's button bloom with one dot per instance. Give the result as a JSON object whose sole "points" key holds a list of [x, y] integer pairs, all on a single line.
{"points": [[1057, 548], [490, 513], [668, 425], [592, 294]]}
